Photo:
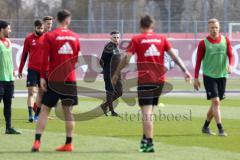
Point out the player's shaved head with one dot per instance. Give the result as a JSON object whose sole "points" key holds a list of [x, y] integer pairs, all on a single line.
{"points": [[63, 15], [147, 22]]}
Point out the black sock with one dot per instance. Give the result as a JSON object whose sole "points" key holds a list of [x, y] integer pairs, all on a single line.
{"points": [[143, 137], [149, 140], [38, 137], [109, 102], [68, 140], [220, 127], [38, 111], [30, 111], [7, 111], [206, 124]]}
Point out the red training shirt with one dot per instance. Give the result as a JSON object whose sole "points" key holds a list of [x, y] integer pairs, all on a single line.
{"points": [[150, 48], [60, 47], [33, 48]]}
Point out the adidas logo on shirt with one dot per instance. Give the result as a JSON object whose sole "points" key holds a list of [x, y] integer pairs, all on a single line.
{"points": [[65, 49], [152, 51]]}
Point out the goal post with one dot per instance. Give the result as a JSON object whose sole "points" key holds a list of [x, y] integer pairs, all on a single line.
{"points": [[234, 31]]}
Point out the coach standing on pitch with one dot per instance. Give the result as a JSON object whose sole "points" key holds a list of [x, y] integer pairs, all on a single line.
{"points": [[215, 53], [6, 75], [109, 60]]}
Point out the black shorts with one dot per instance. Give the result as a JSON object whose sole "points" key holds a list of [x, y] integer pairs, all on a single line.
{"points": [[33, 78], [148, 94], [6, 90], [215, 87], [66, 92]]}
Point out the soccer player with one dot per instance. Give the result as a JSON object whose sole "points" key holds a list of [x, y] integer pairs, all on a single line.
{"points": [[149, 49], [61, 45], [109, 59], [47, 25], [33, 48], [215, 54], [6, 75]]}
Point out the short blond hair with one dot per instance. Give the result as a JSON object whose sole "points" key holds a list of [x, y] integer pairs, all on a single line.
{"points": [[213, 20]]}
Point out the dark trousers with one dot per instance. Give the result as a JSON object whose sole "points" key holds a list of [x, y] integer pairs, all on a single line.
{"points": [[6, 94], [113, 92]]}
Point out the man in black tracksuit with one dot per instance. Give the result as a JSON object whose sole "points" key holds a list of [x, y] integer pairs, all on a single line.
{"points": [[109, 61]]}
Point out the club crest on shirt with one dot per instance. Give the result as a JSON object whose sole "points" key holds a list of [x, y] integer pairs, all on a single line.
{"points": [[33, 42]]}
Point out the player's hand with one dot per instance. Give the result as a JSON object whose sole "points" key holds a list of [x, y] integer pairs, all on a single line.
{"points": [[196, 84], [43, 84], [229, 69], [20, 75], [188, 77], [114, 79]]}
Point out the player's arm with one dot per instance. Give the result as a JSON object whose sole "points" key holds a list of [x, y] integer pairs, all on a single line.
{"points": [[104, 56], [24, 56], [45, 62], [102, 59], [123, 63], [177, 60], [230, 56], [180, 63], [168, 48], [125, 58], [78, 51], [200, 54]]}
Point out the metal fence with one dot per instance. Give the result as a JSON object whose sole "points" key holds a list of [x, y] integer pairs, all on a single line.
{"points": [[103, 16], [188, 29]]}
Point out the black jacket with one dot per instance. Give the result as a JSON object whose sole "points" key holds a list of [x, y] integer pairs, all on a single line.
{"points": [[110, 59]]}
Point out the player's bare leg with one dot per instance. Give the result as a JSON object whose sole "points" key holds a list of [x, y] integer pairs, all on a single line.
{"points": [[210, 114], [69, 124], [147, 123], [40, 126], [31, 101], [206, 129], [43, 116], [216, 109], [39, 97], [217, 115], [38, 104]]}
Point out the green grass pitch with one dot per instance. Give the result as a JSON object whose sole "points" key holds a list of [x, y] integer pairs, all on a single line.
{"points": [[118, 138]]}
